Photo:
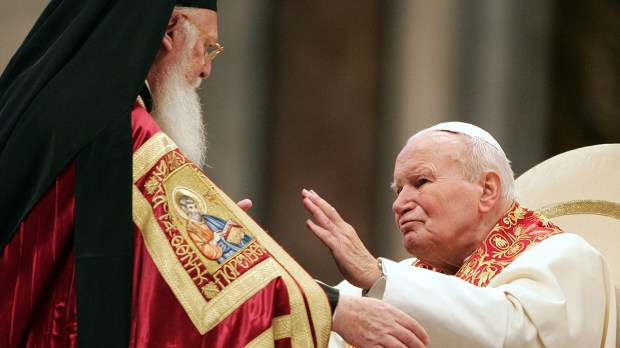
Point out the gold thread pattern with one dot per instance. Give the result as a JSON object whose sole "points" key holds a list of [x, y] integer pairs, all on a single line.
{"points": [[204, 315], [518, 231], [317, 303], [141, 102], [282, 327], [299, 317], [176, 252], [265, 339], [209, 291], [150, 153]]}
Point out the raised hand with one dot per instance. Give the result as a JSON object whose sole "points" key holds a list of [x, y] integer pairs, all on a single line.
{"points": [[354, 261], [368, 322]]}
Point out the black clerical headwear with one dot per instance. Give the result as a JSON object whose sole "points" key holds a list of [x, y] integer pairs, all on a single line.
{"points": [[67, 95], [208, 4]]}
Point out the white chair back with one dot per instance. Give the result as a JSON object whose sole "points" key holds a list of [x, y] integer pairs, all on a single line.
{"points": [[579, 190]]}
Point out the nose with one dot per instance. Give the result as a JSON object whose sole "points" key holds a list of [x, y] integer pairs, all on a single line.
{"points": [[404, 202], [205, 70]]}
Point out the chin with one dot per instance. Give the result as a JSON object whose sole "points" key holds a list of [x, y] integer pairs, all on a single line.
{"points": [[410, 243], [416, 242]]}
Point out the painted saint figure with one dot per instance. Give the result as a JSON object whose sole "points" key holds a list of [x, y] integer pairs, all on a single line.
{"points": [[216, 238]]}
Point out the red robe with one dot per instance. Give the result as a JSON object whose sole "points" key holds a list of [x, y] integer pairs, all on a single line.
{"points": [[38, 298]]}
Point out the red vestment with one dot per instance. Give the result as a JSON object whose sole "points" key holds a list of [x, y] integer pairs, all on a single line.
{"points": [[38, 298]]}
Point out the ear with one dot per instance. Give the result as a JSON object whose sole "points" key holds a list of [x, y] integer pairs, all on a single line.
{"points": [[491, 191], [174, 24]]}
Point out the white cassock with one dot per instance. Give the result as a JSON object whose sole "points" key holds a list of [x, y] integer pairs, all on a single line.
{"points": [[559, 293]]}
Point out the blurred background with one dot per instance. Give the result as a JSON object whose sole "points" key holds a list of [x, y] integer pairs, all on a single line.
{"points": [[323, 95]]}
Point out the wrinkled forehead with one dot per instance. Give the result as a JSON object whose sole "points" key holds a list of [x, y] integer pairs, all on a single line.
{"points": [[205, 20], [439, 142], [467, 129], [435, 147]]}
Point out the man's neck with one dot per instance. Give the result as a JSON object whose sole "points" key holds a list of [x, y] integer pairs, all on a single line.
{"points": [[484, 228]]}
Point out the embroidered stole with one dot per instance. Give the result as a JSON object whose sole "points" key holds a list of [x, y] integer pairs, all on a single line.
{"points": [[518, 231], [212, 288]]}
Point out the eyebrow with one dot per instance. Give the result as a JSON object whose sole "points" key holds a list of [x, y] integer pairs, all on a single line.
{"points": [[415, 174], [393, 186]]}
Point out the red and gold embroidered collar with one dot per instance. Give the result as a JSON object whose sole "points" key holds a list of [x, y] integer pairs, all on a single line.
{"points": [[518, 231]]}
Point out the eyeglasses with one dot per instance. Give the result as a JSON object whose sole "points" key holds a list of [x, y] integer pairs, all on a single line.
{"points": [[212, 50]]}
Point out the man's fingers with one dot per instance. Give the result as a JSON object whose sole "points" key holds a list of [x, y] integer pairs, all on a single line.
{"points": [[390, 341], [319, 215], [330, 211], [324, 235], [327, 209], [418, 330], [409, 342], [407, 326], [316, 212], [414, 336], [365, 322]]}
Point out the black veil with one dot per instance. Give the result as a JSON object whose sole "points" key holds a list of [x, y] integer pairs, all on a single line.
{"points": [[67, 95]]}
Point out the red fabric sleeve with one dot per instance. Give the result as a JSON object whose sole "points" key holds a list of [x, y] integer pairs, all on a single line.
{"points": [[37, 296]]}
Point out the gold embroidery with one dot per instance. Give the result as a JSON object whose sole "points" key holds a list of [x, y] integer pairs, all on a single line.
{"points": [[321, 315], [141, 102], [210, 290], [150, 153], [500, 241], [299, 317], [519, 230], [152, 184], [207, 290], [281, 328], [265, 339]]}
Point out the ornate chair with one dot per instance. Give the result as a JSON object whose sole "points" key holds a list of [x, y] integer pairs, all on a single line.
{"points": [[579, 190]]}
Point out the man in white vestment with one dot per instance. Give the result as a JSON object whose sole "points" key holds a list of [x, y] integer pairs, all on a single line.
{"points": [[486, 271]]}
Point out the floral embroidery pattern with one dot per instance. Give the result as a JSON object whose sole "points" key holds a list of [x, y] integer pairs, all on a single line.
{"points": [[518, 231]]}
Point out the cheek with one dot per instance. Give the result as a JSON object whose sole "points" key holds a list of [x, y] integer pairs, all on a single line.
{"points": [[192, 70], [460, 216], [432, 205], [440, 212]]}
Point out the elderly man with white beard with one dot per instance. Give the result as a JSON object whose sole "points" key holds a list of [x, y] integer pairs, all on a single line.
{"points": [[86, 198], [72, 129], [177, 72]]}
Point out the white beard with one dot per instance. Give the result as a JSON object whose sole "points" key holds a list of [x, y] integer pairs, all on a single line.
{"points": [[178, 112], [196, 217]]}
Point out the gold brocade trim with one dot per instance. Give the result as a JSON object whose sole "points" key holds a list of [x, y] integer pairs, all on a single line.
{"points": [[160, 251], [154, 175], [141, 102], [245, 287], [150, 153], [281, 328], [518, 231], [586, 206], [265, 339], [299, 316], [317, 300], [204, 315]]}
